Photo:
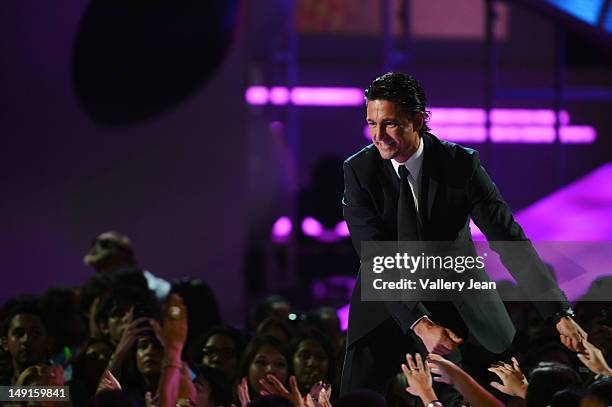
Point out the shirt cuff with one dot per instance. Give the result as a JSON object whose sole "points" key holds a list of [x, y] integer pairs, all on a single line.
{"points": [[417, 321]]}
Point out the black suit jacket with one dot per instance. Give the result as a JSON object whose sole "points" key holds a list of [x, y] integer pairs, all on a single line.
{"points": [[454, 188]]}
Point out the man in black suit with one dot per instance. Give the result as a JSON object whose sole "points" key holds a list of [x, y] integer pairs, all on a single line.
{"points": [[446, 187]]}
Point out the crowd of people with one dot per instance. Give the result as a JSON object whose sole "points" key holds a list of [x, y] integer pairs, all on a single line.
{"points": [[128, 338]]}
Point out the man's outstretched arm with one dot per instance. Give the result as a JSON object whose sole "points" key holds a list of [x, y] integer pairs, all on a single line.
{"points": [[494, 218]]}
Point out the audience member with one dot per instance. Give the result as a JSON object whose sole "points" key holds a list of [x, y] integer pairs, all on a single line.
{"points": [[275, 327], [111, 253], [204, 311], [221, 348], [27, 337], [110, 342], [313, 361], [548, 378], [264, 355]]}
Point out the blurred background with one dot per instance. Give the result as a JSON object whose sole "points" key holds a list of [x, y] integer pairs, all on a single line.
{"points": [[212, 132]]}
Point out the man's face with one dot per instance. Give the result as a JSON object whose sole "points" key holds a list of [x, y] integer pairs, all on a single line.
{"points": [[393, 134], [27, 340]]}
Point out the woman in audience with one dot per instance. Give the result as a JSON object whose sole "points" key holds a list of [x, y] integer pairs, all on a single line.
{"points": [[313, 361], [87, 368], [264, 356]]}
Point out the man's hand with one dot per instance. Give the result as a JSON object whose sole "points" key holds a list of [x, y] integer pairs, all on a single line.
{"points": [[437, 339], [571, 334], [594, 359]]}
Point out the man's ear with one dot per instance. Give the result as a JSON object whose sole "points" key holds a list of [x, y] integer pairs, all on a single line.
{"points": [[418, 121], [4, 343]]}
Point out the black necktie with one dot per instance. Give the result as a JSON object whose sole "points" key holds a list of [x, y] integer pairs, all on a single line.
{"points": [[408, 227]]}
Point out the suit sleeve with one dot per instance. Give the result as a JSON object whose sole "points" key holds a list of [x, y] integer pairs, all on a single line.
{"points": [[365, 224], [506, 237]]}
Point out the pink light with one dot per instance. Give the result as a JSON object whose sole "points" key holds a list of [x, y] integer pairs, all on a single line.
{"points": [[366, 132], [256, 95], [281, 229], [312, 227], [454, 115], [279, 95], [313, 96], [564, 117], [342, 229], [577, 134], [470, 134], [523, 134], [527, 116], [343, 316]]}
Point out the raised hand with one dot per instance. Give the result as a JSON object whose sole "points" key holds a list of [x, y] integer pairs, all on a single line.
{"points": [[513, 380], [419, 378], [108, 382], [443, 369], [437, 339], [571, 334], [274, 386], [243, 392], [319, 395], [174, 328], [594, 359]]}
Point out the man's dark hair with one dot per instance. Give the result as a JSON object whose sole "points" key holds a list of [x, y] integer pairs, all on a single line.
{"points": [[121, 298], [23, 305], [402, 89]]}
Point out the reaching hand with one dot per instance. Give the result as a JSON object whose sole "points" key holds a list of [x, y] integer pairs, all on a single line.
{"points": [[594, 359], [243, 392], [437, 339], [135, 328], [571, 334], [419, 379], [322, 400], [274, 386], [513, 380], [108, 382], [319, 395], [443, 368], [174, 329]]}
